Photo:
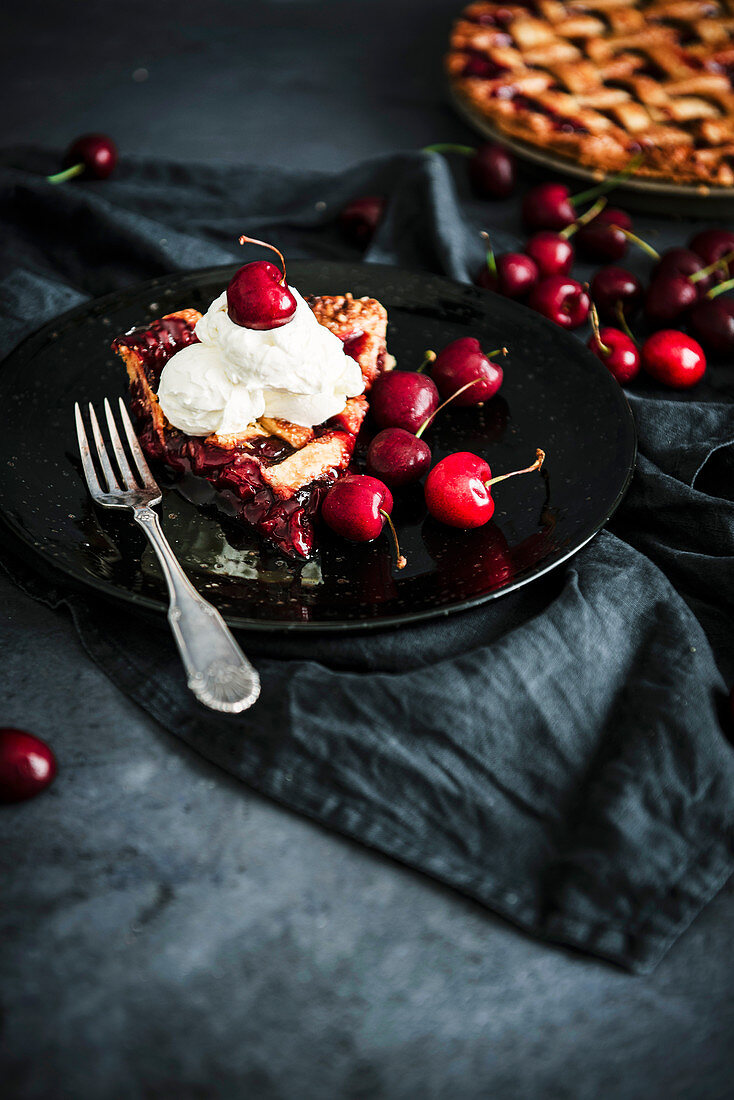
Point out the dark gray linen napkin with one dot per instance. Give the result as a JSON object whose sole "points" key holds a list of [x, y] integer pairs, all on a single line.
{"points": [[561, 755]]}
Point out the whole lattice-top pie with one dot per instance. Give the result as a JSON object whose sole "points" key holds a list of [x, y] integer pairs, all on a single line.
{"points": [[599, 81]]}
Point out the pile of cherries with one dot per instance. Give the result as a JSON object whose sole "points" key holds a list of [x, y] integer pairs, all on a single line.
{"points": [[458, 490], [684, 314]]}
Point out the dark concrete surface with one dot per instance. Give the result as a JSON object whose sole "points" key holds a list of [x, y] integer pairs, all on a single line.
{"points": [[163, 931]]}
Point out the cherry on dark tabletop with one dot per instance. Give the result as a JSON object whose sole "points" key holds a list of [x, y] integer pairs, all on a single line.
{"points": [[97, 152], [712, 244], [612, 285], [492, 171], [552, 252], [602, 239], [360, 218], [618, 353], [515, 275], [354, 507], [668, 297], [711, 320], [674, 358], [548, 206], [457, 491], [27, 765], [562, 300]]}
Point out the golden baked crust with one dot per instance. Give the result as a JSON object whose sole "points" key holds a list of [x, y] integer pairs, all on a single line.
{"points": [[599, 81]]}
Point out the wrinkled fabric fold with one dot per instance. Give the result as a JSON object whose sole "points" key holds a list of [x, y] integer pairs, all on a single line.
{"points": [[560, 755]]}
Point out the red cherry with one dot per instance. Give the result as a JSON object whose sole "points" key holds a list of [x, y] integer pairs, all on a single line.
{"points": [[458, 489], [492, 171], [668, 296], [548, 206], [712, 322], [360, 217], [93, 156], [461, 362], [258, 296], [357, 507], [674, 358], [712, 245], [562, 300], [612, 285], [514, 274], [27, 765], [617, 352], [681, 261], [403, 399], [602, 238], [398, 457], [552, 252]]}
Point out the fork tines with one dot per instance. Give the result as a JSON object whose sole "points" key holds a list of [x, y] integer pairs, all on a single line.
{"points": [[129, 480]]}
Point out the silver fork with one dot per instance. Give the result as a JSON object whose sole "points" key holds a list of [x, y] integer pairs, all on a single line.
{"points": [[218, 672]]}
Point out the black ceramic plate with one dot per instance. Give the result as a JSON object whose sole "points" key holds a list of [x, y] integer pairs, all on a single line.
{"points": [[556, 395]]}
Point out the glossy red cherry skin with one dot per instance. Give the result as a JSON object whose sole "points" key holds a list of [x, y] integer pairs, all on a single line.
{"points": [[97, 152], [492, 172], [548, 206], [602, 238], [398, 457], [673, 358], [552, 253], [27, 765], [516, 275], [463, 361], [258, 299], [619, 354], [615, 284], [353, 505], [712, 323], [403, 399], [712, 244], [681, 261], [668, 296], [359, 219], [457, 493], [561, 299]]}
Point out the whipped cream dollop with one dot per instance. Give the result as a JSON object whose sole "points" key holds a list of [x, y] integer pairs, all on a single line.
{"points": [[297, 372]]}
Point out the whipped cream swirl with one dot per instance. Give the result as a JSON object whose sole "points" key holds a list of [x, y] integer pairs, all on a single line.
{"points": [[297, 372]]}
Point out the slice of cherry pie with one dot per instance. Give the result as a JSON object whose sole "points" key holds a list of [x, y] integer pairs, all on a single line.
{"points": [[276, 472], [599, 81]]}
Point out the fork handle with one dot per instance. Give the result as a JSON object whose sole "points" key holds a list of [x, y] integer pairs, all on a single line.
{"points": [[218, 672]]}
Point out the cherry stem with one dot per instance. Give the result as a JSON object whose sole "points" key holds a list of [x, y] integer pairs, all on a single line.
{"points": [[264, 244], [589, 216], [653, 252], [432, 417], [401, 562], [717, 290], [608, 184], [722, 264], [428, 358], [623, 324], [539, 460], [450, 147], [491, 262], [67, 174], [595, 329]]}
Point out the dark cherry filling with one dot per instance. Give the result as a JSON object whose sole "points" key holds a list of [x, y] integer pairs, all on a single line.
{"points": [[560, 122], [479, 65], [233, 472]]}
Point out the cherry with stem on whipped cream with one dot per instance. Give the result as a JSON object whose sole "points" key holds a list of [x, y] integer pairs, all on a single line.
{"points": [[357, 507], [27, 765], [491, 167], [258, 296], [459, 488], [93, 156]]}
